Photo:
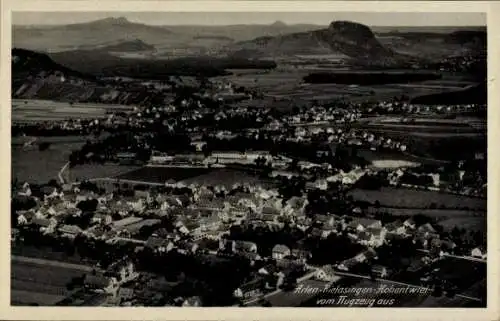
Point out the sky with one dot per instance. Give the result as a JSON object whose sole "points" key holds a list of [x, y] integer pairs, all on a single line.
{"points": [[230, 18]]}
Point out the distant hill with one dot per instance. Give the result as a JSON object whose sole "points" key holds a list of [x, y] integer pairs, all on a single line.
{"points": [[279, 24], [113, 30], [351, 39], [37, 76], [116, 24], [26, 63], [436, 43], [82, 76], [97, 33]]}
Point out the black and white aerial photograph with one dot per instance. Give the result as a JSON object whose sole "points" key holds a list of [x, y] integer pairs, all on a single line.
{"points": [[248, 159]]}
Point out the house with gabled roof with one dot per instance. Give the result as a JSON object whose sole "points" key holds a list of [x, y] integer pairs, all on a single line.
{"points": [[325, 220], [380, 271], [69, 231], [479, 252], [396, 227], [250, 290], [295, 206], [326, 274], [377, 236], [213, 204], [159, 244], [25, 217], [409, 223], [45, 225], [97, 232], [280, 251], [102, 218], [367, 255], [360, 224], [427, 231], [194, 301], [186, 247], [123, 271], [125, 294], [237, 246]]}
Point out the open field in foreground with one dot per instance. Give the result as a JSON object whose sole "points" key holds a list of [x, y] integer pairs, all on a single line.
{"points": [[408, 198], [30, 252], [23, 298], [33, 283], [463, 273]]}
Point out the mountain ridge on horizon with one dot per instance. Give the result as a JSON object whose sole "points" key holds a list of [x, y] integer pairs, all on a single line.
{"points": [[340, 36], [125, 20]]}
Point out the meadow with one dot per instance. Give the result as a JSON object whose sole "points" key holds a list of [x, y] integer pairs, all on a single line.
{"points": [[420, 199], [24, 111], [33, 283], [162, 174]]}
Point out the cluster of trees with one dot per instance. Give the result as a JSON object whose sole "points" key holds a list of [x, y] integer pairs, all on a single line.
{"points": [[214, 281], [372, 182], [290, 187], [104, 150], [333, 201], [419, 180], [332, 250]]}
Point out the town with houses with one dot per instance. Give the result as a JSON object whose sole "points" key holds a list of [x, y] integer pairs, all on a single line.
{"points": [[228, 195], [280, 230]]}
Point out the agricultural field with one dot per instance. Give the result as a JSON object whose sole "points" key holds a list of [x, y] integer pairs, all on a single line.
{"points": [[32, 165], [33, 283], [409, 198], [443, 214], [30, 252], [227, 178], [423, 127], [90, 171], [206, 176], [467, 223], [463, 273], [26, 111], [23, 298], [162, 174], [286, 81]]}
